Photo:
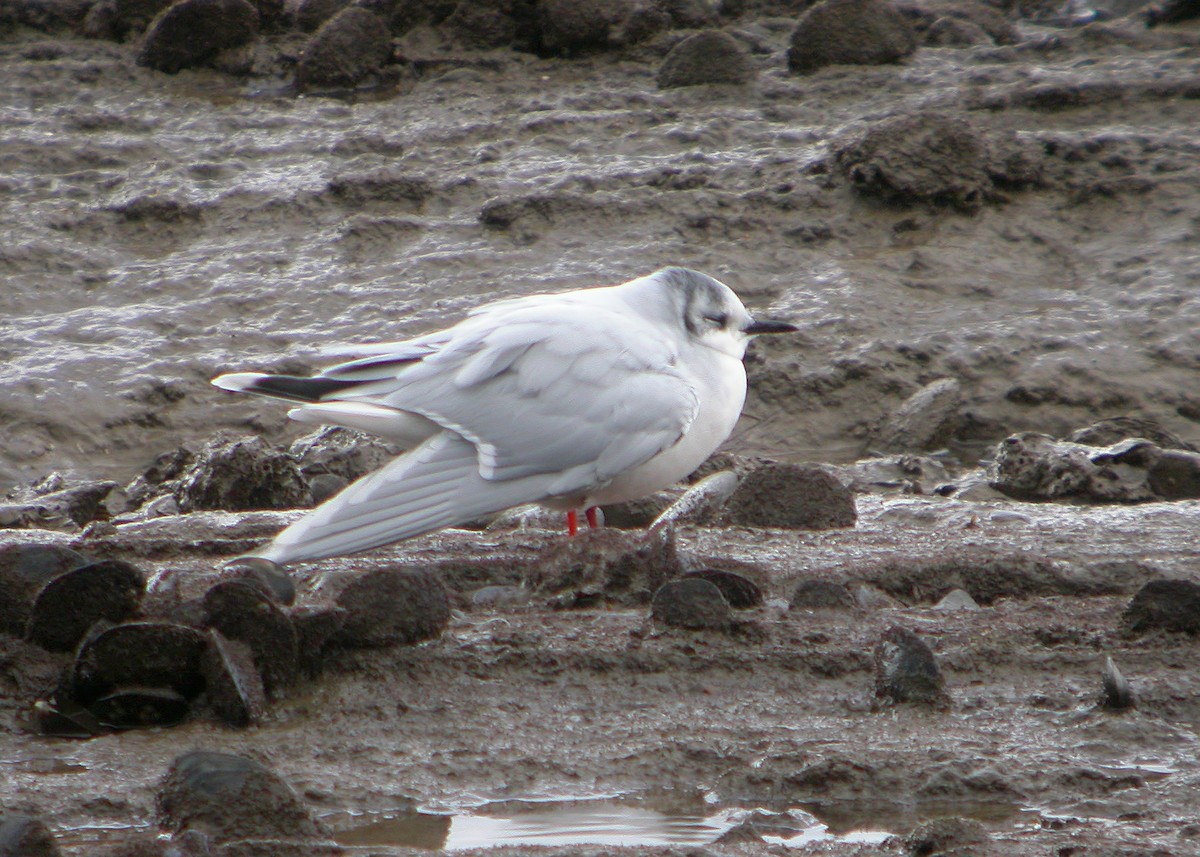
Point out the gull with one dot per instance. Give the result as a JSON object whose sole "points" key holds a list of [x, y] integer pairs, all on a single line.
{"points": [[571, 400]]}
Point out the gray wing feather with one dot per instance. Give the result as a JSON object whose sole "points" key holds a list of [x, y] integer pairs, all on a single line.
{"points": [[435, 485]]}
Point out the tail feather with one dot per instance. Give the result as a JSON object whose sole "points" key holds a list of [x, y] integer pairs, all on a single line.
{"points": [[435, 485]]}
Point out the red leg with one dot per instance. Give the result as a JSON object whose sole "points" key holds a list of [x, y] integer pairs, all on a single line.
{"points": [[572, 522], [591, 517]]}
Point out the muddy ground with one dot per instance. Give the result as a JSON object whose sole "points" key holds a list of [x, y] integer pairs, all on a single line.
{"points": [[159, 229]]}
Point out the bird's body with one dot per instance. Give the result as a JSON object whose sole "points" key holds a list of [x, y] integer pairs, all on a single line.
{"points": [[571, 400]]}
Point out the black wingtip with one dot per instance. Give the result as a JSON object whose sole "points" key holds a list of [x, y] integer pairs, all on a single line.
{"points": [[296, 389]]}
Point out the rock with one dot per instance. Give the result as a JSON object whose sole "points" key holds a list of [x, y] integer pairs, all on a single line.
{"points": [[1031, 466], [926, 420], [606, 566], [350, 46], [1116, 694], [25, 836], [906, 671], [227, 798], [233, 683], [893, 474], [1172, 12], [701, 502], [1168, 605], [691, 603], [497, 597], [711, 56], [850, 32], [482, 24], [189, 33], [1115, 429], [821, 595], [137, 654], [790, 496], [950, 32], [570, 26], [160, 477], [242, 612], [947, 836], [390, 606], [80, 504], [956, 599], [311, 14], [341, 451], [24, 570], [958, 22], [67, 606], [740, 591], [137, 707], [924, 157], [317, 625], [239, 475], [271, 579]]}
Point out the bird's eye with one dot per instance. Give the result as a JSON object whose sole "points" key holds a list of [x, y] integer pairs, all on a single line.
{"points": [[719, 319]]}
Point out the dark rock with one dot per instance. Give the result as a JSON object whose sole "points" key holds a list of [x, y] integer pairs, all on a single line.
{"points": [[1116, 694], [821, 595], [271, 579], [906, 671], [407, 14], [947, 836], [1168, 605], [24, 836], [926, 420], [336, 450], [1115, 429], [350, 46], [850, 32], [135, 707], [1175, 475], [316, 627], [570, 26], [228, 798], [606, 566], [242, 612], [189, 33], [691, 603], [958, 22], [137, 654], [49, 16], [24, 570], [691, 14], [790, 496], [918, 157], [482, 24], [740, 591], [234, 686], [949, 32], [160, 477], [240, 475], [311, 14], [72, 602], [325, 486], [1172, 12], [712, 56], [391, 606]]}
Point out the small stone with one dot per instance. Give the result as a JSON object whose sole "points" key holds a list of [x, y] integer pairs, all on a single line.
{"points": [[316, 627], [946, 836], [740, 591], [341, 451], [350, 46], [606, 566], [1116, 694], [790, 496], [25, 836], [691, 603], [1168, 605], [926, 420], [1116, 429], [570, 26], [137, 654], [234, 686], [1175, 475], [189, 33], [391, 606], [906, 670], [242, 612], [711, 56], [24, 571], [74, 601], [495, 597], [228, 797], [873, 598], [850, 32], [268, 577], [821, 595], [953, 32], [956, 599]]}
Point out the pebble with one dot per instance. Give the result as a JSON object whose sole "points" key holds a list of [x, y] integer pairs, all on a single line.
{"points": [[850, 32], [189, 33], [24, 570], [268, 577], [1168, 605], [233, 684], [241, 474], [821, 595], [947, 836], [740, 591], [391, 606], [606, 566], [790, 496], [242, 612], [350, 46], [137, 654], [72, 602], [906, 670], [691, 603], [710, 56], [957, 599], [926, 420]]}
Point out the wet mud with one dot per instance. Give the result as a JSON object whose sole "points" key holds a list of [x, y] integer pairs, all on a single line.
{"points": [[941, 651]]}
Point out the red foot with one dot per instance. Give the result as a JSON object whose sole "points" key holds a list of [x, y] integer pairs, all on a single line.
{"points": [[572, 522], [591, 517]]}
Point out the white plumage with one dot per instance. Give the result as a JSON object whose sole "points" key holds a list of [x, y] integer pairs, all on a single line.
{"points": [[572, 400]]}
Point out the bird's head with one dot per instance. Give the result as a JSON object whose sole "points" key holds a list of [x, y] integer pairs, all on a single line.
{"points": [[709, 311]]}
